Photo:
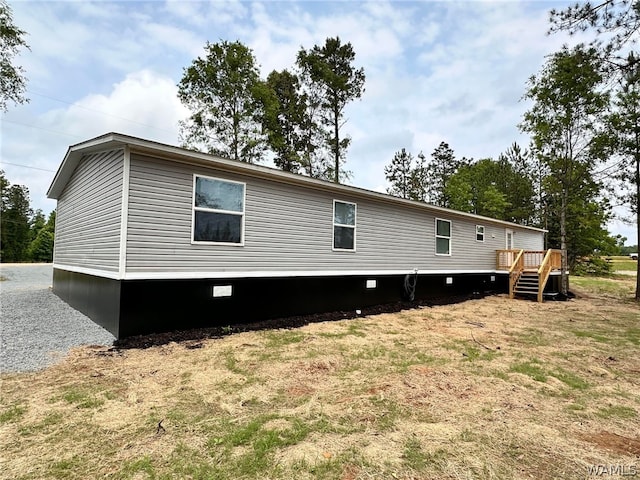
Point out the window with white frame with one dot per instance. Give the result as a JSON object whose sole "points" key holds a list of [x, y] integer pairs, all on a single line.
{"points": [[344, 225], [218, 210], [479, 233], [443, 237]]}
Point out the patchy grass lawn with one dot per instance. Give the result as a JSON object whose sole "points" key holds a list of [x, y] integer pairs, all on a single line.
{"points": [[491, 388], [619, 288], [624, 264]]}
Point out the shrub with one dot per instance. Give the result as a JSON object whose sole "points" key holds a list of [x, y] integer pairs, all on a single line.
{"points": [[593, 265]]}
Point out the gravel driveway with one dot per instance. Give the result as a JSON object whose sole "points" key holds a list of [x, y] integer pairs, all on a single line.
{"points": [[36, 327]]}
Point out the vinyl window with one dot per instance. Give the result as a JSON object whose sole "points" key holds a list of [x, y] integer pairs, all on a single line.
{"points": [[218, 211], [479, 233], [443, 237], [344, 225]]}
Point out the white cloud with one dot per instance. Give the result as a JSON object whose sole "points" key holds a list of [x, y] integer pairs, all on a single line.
{"points": [[205, 14], [143, 104], [162, 36]]}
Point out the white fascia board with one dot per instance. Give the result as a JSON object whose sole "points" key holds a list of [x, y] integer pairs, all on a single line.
{"points": [[109, 141]]}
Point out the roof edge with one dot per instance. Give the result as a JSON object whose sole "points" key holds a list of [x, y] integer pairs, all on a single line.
{"points": [[113, 140]]}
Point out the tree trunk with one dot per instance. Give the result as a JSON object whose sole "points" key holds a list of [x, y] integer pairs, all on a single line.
{"points": [[564, 273], [336, 131], [637, 159]]}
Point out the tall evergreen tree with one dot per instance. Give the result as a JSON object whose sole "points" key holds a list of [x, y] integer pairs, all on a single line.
{"points": [[420, 179], [315, 155], [624, 137], [616, 24], [527, 196], [41, 247], [38, 221], [15, 217], [398, 174], [220, 90], [563, 123], [442, 166], [13, 83], [284, 116], [330, 68]]}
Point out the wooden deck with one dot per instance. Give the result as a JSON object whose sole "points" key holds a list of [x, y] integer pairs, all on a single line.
{"points": [[529, 270]]}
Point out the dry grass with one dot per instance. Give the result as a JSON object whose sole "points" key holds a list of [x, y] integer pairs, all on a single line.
{"points": [[490, 388]]}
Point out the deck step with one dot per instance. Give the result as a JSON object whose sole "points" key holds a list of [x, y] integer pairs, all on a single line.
{"points": [[527, 283]]}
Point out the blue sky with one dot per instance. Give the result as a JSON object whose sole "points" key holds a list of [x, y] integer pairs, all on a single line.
{"points": [[435, 71]]}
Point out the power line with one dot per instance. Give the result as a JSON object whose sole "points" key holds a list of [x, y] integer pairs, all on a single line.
{"points": [[98, 111], [43, 129], [28, 166]]}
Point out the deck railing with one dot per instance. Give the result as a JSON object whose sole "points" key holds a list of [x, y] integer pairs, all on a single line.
{"points": [[552, 261], [517, 261], [505, 258], [515, 271]]}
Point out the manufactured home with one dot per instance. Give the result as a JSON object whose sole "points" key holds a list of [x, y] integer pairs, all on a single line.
{"points": [[151, 237]]}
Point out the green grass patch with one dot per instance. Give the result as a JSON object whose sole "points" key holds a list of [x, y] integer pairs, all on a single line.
{"points": [[534, 337], [81, 398], [233, 365], [67, 468], [624, 264], [401, 361], [388, 412], [612, 287], [353, 328], [249, 448], [12, 414], [617, 411], [536, 371], [531, 369], [52, 419], [632, 335], [617, 336], [282, 338], [593, 335], [371, 352], [131, 468], [188, 462], [414, 456], [570, 379]]}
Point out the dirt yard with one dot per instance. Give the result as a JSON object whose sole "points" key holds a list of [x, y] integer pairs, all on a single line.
{"points": [[488, 388]]}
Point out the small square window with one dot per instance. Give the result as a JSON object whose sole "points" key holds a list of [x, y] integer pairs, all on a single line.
{"points": [[479, 233]]}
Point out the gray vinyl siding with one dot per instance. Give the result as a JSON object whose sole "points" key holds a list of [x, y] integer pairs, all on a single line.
{"points": [[290, 228], [88, 214], [528, 240]]}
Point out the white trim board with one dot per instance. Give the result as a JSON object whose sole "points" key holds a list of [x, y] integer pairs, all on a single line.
{"points": [[124, 212], [265, 274], [88, 271]]}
